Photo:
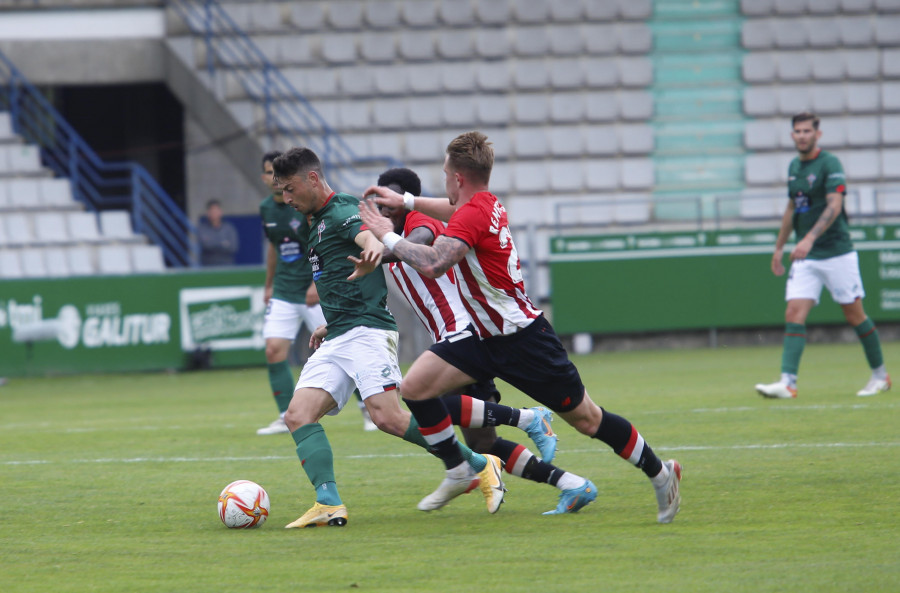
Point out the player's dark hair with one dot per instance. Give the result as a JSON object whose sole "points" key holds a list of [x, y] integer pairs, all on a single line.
{"points": [[295, 161], [806, 116], [213, 202], [471, 152], [405, 178], [269, 157]]}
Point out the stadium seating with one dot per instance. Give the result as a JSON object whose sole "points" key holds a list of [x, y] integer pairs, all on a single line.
{"points": [[10, 264], [45, 232], [147, 259], [113, 260], [834, 57], [402, 78]]}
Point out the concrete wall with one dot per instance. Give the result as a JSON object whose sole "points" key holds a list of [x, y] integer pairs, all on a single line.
{"points": [[210, 174]]}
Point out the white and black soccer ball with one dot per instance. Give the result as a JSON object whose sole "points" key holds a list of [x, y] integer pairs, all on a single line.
{"points": [[243, 504]]}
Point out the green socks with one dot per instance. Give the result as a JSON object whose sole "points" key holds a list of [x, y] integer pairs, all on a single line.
{"points": [[317, 460], [794, 342], [282, 382], [476, 460], [871, 344]]}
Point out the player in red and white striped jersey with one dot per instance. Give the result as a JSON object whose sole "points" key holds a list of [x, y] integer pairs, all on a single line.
{"points": [[475, 408], [510, 338]]}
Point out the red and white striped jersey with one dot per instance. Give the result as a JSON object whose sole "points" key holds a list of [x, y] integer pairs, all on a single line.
{"points": [[436, 301], [490, 277]]}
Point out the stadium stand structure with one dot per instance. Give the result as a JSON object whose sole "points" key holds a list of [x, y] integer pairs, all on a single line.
{"points": [[554, 85], [46, 232], [563, 89], [49, 226], [841, 59]]}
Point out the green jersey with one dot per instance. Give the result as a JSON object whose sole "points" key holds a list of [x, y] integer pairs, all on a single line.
{"points": [[345, 303], [808, 184], [287, 231]]}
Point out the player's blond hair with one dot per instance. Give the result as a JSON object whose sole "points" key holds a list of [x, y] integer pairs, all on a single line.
{"points": [[472, 153]]}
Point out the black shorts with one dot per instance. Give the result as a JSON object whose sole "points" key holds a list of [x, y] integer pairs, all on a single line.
{"points": [[532, 360]]}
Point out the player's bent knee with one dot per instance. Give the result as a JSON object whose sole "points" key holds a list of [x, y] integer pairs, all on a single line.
{"points": [[394, 424]]}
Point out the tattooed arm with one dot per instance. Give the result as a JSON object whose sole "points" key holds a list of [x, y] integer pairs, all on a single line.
{"points": [[833, 207], [420, 235], [432, 261]]}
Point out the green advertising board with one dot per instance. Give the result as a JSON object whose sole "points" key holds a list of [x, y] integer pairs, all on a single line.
{"points": [[699, 280], [127, 323]]}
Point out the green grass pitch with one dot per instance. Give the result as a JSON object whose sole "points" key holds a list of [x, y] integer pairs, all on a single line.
{"points": [[109, 484]]}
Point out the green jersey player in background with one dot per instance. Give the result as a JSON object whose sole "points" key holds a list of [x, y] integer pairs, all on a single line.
{"points": [[290, 294], [823, 256]]}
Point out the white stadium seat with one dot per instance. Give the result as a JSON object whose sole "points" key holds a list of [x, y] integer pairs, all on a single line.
{"points": [[147, 259], [113, 260]]}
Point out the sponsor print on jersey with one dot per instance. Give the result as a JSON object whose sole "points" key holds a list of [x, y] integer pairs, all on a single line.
{"points": [[801, 203], [289, 251], [314, 262], [349, 221]]}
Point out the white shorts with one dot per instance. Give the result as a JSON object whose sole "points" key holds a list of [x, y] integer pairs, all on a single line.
{"points": [[283, 319], [363, 358], [839, 274]]}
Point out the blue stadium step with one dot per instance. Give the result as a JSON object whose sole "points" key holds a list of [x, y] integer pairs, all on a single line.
{"points": [[674, 104], [696, 36], [695, 10], [699, 173], [724, 136], [719, 68]]}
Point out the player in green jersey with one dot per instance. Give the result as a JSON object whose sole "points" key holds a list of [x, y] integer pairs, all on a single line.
{"points": [[823, 256], [358, 346], [290, 294]]}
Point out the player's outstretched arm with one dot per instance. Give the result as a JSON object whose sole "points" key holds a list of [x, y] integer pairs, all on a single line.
{"points": [[439, 208], [430, 261], [370, 258]]}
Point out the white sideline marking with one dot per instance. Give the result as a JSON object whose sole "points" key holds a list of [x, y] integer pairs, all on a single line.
{"points": [[401, 455]]}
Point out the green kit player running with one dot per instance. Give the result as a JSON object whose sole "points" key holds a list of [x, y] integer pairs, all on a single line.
{"points": [[823, 256], [290, 295], [358, 347]]}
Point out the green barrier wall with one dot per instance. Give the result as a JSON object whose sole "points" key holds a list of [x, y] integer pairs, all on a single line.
{"points": [[131, 323], [676, 281]]}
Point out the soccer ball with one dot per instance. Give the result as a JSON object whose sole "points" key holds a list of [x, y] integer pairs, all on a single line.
{"points": [[243, 504]]}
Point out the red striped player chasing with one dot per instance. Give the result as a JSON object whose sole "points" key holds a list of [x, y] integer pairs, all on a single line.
{"points": [[509, 337]]}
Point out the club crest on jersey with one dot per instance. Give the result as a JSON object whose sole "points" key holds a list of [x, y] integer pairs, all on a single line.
{"points": [[811, 178], [320, 229], [295, 224]]}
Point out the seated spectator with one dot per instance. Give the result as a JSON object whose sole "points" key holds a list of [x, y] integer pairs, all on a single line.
{"points": [[218, 238]]}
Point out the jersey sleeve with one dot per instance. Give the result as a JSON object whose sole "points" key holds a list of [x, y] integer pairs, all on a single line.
{"points": [[467, 224], [416, 220], [835, 181], [351, 224]]}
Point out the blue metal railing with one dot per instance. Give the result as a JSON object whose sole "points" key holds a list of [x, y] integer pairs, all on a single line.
{"points": [[98, 184], [288, 115]]}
